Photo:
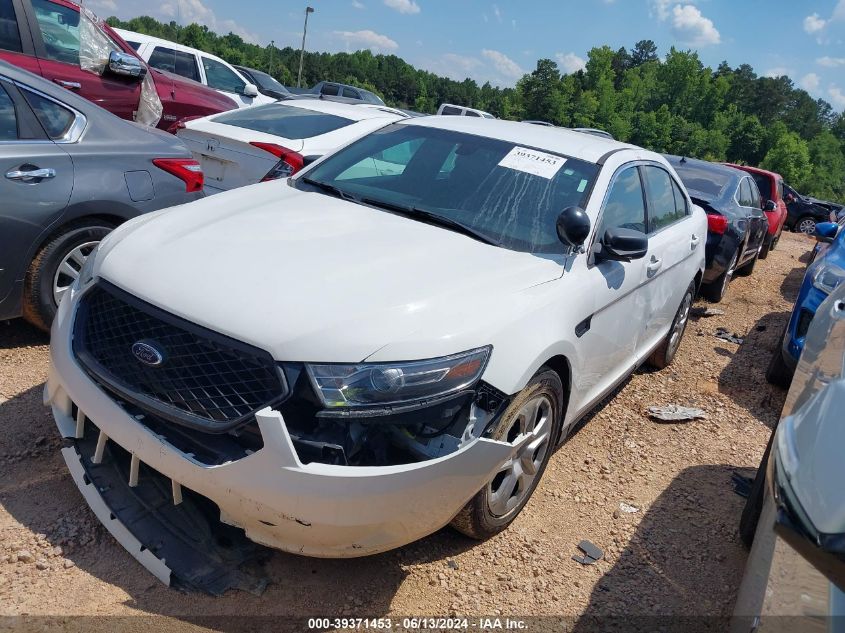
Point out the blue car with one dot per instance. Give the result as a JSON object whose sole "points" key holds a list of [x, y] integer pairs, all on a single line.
{"points": [[824, 274]]}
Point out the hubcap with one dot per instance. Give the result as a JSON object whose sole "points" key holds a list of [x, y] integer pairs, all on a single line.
{"points": [[69, 269], [807, 226], [680, 324], [514, 481]]}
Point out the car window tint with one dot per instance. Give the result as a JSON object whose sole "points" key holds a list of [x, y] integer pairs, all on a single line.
{"points": [[135, 45], [624, 208], [266, 82], [10, 37], [349, 93], [330, 89], [220, 77], [471, 113], [369, 97], [59, 26], [681, 206], [179, 62], [764, 184], [449, 110], [55, 119], [780, 189], [662, 209], [283, 120], [745, 198], [755, 195], [8, 120]]}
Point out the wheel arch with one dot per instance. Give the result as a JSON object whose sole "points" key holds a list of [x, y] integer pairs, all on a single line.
{"points": [[563, 368]]}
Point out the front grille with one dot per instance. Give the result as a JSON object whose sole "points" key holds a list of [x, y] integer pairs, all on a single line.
{"points": [[203, 379]]}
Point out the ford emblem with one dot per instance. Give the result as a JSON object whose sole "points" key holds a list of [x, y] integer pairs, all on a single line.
{"points": [[147, 353]]}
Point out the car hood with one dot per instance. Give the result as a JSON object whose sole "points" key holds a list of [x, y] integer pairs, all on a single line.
{"points": [[310, 277]]}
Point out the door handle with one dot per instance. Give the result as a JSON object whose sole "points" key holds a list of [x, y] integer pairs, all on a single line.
{"points": [[694, 240], [70, 85], [34, 175], [654, 265]]}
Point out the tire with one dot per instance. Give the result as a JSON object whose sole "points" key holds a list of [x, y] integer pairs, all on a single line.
{"points": [[716, 290], [778, 373], [488, 512], [776, 239], [39, 299], [806, 225], [663, 356], [754, 504], [746, 269], [767, 246]]}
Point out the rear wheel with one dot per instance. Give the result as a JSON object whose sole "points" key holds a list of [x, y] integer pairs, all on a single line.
{"points": [[533, 418], [767, 246], [663, 356], [56, 267], [715, 291], [746, 269], [806, 225]]}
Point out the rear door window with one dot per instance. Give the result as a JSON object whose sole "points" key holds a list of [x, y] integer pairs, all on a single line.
{"points": [[350, 93], [745, 197], [285, 121], [179, 62], [8, 119], [452, 111], [10, 37], [330, 90], [220, 77]]}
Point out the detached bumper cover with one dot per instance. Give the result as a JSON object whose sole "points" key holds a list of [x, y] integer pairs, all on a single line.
{"points": [[314, 509]]}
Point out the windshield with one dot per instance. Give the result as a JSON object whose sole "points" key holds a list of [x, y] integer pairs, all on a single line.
{"points": [[284, 120], [266, 82], [711, 182], [509, 193]]}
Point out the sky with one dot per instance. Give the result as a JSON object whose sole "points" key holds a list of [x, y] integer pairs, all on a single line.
{"points": [[500, 41]]}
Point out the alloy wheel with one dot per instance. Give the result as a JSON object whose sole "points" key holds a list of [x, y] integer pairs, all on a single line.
{"points": [[69, 268], [680, 324], [807, 226], [514, 482]]}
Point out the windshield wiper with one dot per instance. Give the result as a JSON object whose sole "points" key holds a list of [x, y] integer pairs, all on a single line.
{"points": [[431, 218], [335, 191]]}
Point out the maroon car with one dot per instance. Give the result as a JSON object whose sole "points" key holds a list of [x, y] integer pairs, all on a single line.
{"points": [[71, 47]]}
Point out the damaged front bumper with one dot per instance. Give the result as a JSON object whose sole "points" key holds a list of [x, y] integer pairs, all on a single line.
{"points": [[312, 509]]}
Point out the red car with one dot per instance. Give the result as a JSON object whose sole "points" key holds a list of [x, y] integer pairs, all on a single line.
{"points": [[44, 37], [770, 185]]}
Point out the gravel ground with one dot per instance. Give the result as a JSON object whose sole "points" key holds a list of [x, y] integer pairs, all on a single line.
{"points": [[678, 553]]}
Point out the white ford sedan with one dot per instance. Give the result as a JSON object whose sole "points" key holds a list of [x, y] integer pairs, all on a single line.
{"points": [[350, 359]]}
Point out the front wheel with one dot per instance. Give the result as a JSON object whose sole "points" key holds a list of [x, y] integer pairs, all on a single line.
{"points": [[663, 356], [533, 420], [55, 267], [806, 225]]}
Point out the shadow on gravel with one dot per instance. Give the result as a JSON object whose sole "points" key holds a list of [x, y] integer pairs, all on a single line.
{"points": [[656, 576], [792, 283], [19, 333], [37, 491]]}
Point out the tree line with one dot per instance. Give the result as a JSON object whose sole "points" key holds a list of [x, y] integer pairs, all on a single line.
{"points": [[671, 105]]}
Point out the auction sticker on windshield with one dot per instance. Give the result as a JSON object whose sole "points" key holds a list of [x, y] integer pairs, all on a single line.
{"points": [[532, 161]]}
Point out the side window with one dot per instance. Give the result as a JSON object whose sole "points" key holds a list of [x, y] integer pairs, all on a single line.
{"points": [[745, 198], [330, 90], [471, 113], [625, 207], [780, 190], [10, 37], [219, 77], [55, 119], [163, 59], [59, 27], [8, 120], [135, 45], [452, 111], [662, 207], [179, 62], [350, 93], [681, 207]]}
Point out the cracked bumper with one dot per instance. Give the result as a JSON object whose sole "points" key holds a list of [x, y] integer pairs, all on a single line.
{"points": [[312, 509]]}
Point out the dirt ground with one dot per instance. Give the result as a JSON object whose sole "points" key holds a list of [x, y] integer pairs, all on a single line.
{"points": [[679, 553]]}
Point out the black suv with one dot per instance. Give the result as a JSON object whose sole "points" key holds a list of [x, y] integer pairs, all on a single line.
{"points": [[803, 213]]}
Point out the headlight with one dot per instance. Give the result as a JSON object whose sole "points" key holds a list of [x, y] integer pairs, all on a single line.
{"points": [[86, 274], [828, 277], [369, 384]]}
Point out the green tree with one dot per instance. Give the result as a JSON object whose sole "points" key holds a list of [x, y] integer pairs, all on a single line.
{"points": [[790, 157]]}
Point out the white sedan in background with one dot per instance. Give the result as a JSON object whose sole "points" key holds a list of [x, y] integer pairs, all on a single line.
{"points": [[273, 141]]}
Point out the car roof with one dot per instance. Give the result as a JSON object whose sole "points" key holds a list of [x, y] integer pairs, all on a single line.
{"points": [[716, 168], [356, 112], [561, 140], [756, 170], [144, 39]]}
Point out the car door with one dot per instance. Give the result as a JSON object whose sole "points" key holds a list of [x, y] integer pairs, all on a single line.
{"points": [[758, 224], [611, 332], [36, 177], [55, 26], [670, 265]]}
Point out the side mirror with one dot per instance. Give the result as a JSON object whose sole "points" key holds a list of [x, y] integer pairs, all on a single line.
{"points": [[826, 231], [770, 206], [250, 90], [573, 226], [126, 65], [623, 245]]}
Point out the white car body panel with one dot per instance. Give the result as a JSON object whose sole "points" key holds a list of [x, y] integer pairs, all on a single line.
{"points": [[229, 161], [146, 45], [312, 278]]}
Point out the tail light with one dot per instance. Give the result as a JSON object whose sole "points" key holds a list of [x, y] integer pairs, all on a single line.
{"points": [[289, 163], [716, 223], [187, 170], [180, 124]]}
